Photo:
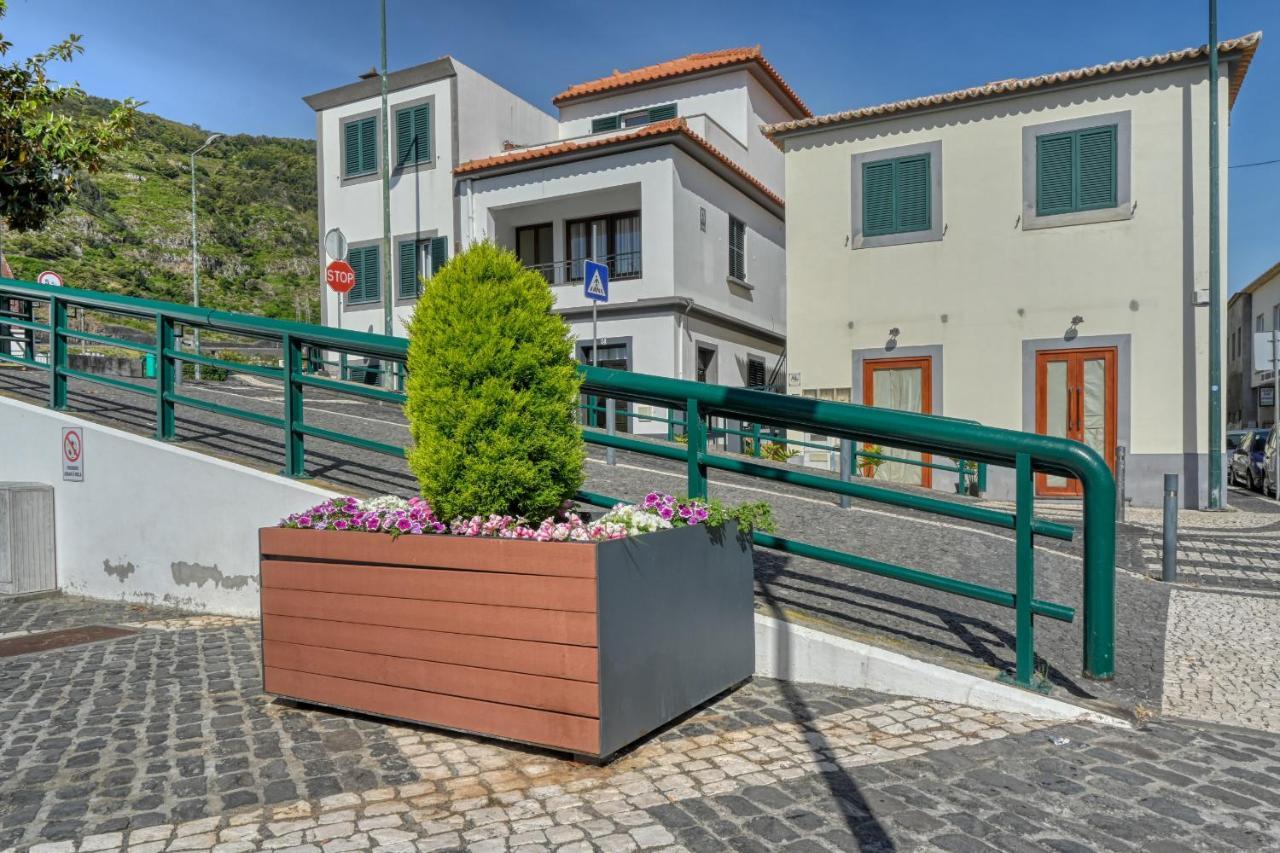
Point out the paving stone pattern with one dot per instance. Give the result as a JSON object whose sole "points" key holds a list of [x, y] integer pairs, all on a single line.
{"points": [[163, 742], [1222, 660], [1233, 561]]}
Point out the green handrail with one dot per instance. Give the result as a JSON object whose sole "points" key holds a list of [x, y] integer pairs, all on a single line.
{"points": [[1025, 453]]}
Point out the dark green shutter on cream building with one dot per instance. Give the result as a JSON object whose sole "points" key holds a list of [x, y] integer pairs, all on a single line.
{"points": [[364, 260], [1076, 171], [896, 196]]}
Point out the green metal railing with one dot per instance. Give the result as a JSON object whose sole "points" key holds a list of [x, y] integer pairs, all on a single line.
{"points": [[1024, 453]]}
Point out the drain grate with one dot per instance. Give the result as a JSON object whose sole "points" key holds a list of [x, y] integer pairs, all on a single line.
{"points": [[49, 640]]}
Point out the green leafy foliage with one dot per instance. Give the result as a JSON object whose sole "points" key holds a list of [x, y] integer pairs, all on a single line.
{"points": [[492, 391], [43, 149], [749, 516]]}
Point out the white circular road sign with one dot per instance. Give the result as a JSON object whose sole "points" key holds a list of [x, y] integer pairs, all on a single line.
{"points": [[335, 244], [50, 279]]}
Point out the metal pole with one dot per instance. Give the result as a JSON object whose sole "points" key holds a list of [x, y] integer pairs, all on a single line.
{"points": [[846, 468], [1215, 283], [610, 427], [386, 198], [1169, 557], [1275, 407], [195, 257], [1120, 463]]}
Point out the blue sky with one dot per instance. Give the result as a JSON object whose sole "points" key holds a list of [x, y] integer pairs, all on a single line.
{"points": [[243, 65]]}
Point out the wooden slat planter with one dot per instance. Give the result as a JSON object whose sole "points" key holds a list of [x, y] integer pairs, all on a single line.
{"points": [[582, 647]]}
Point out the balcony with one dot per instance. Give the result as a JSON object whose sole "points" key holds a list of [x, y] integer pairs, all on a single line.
{"points": [[622, 265]]}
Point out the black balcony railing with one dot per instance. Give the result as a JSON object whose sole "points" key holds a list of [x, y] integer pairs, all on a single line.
{"points": [[622, 265]]}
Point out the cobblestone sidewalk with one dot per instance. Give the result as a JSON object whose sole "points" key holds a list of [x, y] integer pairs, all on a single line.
{"points": [[162, 741]]}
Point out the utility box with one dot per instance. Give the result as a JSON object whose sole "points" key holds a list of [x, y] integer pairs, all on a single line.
{"points": [[26, 538]]}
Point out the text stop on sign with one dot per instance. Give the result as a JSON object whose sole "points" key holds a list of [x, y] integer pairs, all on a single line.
{"points": [[340, 276]]}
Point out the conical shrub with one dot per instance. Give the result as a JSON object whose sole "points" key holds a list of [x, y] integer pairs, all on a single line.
{"points": [[492, 391]]}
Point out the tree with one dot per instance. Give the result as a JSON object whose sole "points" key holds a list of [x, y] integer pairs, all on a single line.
{"points": [[41, 148], [492, 391]]}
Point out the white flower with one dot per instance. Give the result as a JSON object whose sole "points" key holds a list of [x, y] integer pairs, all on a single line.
{"points": [[384, 503]]}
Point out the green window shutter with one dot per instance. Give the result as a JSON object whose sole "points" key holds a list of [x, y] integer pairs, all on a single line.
{"points": [[439, 253], [404, 137], [662, 113], [1055, 178], [737, 249], [368, 145], [351, 148], [600, 125], [877, 198], [1096, 171], [364, 261], [408, 263], [911, 194], [422, 130]]}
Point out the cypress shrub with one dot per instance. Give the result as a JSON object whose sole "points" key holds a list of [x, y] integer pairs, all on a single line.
{"points": [[492, 391]]}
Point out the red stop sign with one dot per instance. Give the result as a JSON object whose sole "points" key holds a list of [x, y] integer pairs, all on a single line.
{"points": [[340, 276]]}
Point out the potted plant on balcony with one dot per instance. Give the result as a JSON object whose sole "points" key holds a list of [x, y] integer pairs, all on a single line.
{"points": [[451, 609]]}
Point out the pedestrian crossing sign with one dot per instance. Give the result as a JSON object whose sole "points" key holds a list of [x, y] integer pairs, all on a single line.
{"points": [[596, 281]]}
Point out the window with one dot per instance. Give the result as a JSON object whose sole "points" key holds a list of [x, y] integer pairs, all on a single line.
{"points": [[1259, 323], [415, 257], [533, 245], [737, 249], [413, 135], [1076, 171], [755, 372], [364, 260], [635, 118], [706, 364], [895, 196], [360, 147], [613, 240], [1275, 317]]}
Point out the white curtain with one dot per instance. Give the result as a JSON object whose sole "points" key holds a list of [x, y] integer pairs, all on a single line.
{"points": [[1095, 405], [898, 388]]}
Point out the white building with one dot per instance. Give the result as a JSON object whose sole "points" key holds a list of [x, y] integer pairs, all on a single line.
{"points": [[661, 172], [1030, 253], [1251, 390]]}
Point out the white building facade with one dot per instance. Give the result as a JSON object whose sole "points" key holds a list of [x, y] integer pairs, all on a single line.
{"points": [[662, 173], [1251, 397], [1030, 254]]}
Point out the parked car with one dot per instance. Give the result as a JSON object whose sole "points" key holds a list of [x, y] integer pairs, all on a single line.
{"points": [[1269, 453], [1245, 462]]}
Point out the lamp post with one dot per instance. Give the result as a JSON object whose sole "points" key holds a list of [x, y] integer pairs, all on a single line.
{"points": [[195, 253], [1215, 283], [388, 326]]}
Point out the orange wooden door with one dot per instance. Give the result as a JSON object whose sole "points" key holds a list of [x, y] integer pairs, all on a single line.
{"points": [[1076, 399], [905, 384]]}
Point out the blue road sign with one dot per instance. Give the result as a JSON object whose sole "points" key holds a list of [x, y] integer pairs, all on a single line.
{"points": [[595, 281]]}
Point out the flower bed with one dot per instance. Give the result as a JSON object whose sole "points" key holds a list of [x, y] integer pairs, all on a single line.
{"points": [[414, 516], [581, 635]]}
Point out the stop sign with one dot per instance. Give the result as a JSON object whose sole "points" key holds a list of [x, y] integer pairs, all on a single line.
{"points": [[340, 276]]}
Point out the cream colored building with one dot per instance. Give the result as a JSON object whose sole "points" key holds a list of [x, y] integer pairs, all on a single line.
{"points": [[1031, 254]]}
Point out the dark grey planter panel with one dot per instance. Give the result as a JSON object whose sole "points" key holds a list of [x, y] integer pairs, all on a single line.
{"points": [[676, 626]]}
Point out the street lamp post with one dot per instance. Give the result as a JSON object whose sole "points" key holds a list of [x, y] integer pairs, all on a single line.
{"points": [[195, 253]]}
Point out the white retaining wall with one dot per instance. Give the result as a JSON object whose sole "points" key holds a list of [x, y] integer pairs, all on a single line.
{"points": [[150, 522]]}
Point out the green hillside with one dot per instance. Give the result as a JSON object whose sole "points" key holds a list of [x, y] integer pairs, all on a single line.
{"points": [[129, 230]]}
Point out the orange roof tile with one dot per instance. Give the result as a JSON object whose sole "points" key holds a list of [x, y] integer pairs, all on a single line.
{"points": [[1243, 48], [670, 127], [691, 64]]}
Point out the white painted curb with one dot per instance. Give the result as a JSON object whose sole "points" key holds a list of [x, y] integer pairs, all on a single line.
{"points": [[793, 652]]}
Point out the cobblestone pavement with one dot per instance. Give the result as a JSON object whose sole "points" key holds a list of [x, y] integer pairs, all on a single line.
{"points": [[1222, 660], [952, 631], [162, 741]]}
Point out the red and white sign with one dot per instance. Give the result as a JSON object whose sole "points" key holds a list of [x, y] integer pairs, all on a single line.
{"points": [[339, 276], [50, 278], [73, 454]]}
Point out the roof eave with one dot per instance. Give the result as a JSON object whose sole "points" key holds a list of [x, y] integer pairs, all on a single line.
{"points": [[676, 136], [1241, 56], [415, 75]]}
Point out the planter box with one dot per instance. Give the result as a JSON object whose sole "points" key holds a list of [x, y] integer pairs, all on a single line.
{"points": [[582, 647]]}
